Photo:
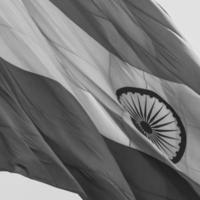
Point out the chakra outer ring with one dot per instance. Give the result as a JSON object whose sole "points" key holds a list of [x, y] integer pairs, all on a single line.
{"points": [[151, 94]]}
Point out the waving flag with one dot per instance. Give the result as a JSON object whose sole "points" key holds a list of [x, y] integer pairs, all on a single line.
{"points": [[96, 99]]}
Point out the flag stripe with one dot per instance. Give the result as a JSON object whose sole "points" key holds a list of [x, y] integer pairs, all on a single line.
{"points": [[149, 178], [172, 59]]}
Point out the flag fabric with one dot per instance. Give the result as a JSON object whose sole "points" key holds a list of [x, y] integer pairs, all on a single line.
{"points": [[100, 98]]}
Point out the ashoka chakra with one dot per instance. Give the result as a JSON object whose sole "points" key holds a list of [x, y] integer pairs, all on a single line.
{"points": [[155, 119]]}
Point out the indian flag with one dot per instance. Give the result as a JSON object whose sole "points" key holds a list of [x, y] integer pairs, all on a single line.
{"points": [[99, 97]]}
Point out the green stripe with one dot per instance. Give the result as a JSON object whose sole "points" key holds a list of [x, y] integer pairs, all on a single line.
{"points": [[150, 178]]}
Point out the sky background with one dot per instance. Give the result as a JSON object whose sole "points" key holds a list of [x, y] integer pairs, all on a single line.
{"points": [[186, 15]]}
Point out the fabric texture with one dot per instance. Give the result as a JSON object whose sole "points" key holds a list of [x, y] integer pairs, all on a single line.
{"points": [[95, 99]]}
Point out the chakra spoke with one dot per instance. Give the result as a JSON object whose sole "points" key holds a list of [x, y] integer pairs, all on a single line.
{"points": [[154, 141], [164, 146], [159, 145], [140, 107], [150, 112], [166, 136], [131, 110], [163, 130], [165, 124], [155, 115], [163, 140], [145, 109], [160, 119], [135, 107]]}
